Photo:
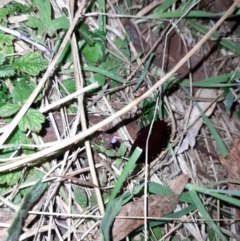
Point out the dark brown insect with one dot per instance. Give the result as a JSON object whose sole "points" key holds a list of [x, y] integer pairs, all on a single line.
{"points": [[159, 137]]}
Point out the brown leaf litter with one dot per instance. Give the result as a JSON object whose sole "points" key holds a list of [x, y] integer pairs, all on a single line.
{"points": [[158, 206], [232, 163]]}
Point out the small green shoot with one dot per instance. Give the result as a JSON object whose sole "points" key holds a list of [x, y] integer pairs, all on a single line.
{"points": [[125, 173]]}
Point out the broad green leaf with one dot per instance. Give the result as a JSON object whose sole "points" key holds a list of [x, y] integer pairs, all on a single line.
{"points": [[59, 23], [16, 138], [94, 53], [110, 153], [32, 120], [6, 71], [3, 12], [86, 34], [80, 197], [10, 178], [99, 78], [31, 63], [2, 58], [44, 8], [70, 85], [9, 109], [22, 90], [34, 22], [5, 39]]}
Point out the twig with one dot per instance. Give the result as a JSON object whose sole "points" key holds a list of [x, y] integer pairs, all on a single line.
{"points": [[67, 142], [25, 38]]}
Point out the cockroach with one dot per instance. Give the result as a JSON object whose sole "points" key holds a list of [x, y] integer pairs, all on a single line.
{"points": [[158, 139]]}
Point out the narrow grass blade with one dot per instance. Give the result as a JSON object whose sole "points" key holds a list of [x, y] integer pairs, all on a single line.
{"points": [[126, 171], [104, 72], [216, 81], [113, 209], [221, 147], [205, 215], [234, 47], [140, 80]]}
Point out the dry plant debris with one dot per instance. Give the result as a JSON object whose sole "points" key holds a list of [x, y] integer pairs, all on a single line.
{"points": [[85, 141], [232, 165], [157, 206]]}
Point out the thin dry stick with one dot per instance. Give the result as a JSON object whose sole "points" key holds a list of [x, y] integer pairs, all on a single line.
{"points": [[79, 84], [67, 142], [48, 72]]}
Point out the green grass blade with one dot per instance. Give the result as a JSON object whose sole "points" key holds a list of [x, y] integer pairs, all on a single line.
{"points": [[224, 198], [205, 215], [164, 6], [140, 80], [234, 47], [191, 14], [126, 171], [215, 81], [104, 72], [221, 147], [101, 17], [113, 209]]}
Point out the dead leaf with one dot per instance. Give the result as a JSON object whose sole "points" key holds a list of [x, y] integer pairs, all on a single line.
{"points": [[232, 163], [158, 206], [6, 216], [190, 138]]}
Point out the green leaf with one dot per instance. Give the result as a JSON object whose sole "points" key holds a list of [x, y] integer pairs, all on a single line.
{"points": [[81, 197], [31, 63], [9, 109], [234, 47], [86, 34], [216, 81], [3, 12], [94, 53], [2, 58], [99, 78], [44, 8], [32, 196], [113, 209], [10, 178], [126, 171], [6, 71], [70, 85], [164, 6], [104, 72], [32, 120], [5, 39], [59, 23], [23, 90], [205, 215], [33, 22], [16, 138], [221, 147], [110, 153]]}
